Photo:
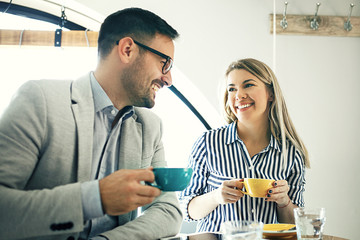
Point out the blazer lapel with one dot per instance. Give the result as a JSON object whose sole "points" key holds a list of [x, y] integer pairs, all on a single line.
{"points": [[131, 144], [83, 109]]}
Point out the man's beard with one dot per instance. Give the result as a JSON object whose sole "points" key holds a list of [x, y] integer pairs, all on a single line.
{"points": [[134, 80]]}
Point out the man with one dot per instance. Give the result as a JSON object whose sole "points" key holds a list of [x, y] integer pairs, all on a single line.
{"points": [[74, 155]]}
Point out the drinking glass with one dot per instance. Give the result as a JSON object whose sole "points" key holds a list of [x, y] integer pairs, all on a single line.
{"points": [[309, 223], [242, 230]]}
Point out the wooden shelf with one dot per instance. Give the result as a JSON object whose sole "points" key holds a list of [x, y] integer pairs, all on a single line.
{"points": [[328, 25], [47, 38]]}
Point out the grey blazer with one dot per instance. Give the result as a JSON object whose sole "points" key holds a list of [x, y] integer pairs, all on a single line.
{"points": [[46, 137]]}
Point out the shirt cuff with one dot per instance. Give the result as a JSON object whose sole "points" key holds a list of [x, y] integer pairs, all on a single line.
{"points": [[184, 203], [91, 201]]}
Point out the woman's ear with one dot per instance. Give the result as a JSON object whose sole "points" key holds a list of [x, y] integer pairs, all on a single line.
{"points": [[126, 49], [271, 97]]}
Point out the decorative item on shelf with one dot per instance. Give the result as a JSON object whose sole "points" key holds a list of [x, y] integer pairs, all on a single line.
{"points": [[21, 37], [283, 22], [87, 38], [58, 32], [347, 24], [314, 24]]}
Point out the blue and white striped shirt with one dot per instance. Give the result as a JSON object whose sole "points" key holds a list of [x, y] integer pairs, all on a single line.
{"points": [[220, 155]]}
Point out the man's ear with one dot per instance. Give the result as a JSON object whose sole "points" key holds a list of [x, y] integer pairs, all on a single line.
{"points": [[125, 49]]}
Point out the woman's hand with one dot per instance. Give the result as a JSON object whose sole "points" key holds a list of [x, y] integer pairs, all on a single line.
{"points": [[229, 191], [200, 206], [279, 193]]}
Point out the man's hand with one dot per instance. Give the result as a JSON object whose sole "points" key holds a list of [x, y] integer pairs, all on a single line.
{"points": [[122, 192]]}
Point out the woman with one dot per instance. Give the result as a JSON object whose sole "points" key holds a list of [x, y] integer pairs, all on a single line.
{"points": [[260, 141]]}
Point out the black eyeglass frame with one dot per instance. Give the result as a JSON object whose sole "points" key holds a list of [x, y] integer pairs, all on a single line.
{"points": [[168, 61]]}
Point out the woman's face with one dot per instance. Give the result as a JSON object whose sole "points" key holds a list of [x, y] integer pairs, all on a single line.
{"points": [[248, 97]]}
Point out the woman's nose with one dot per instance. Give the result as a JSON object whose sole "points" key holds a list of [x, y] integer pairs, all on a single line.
{"points": [[241, 95]]}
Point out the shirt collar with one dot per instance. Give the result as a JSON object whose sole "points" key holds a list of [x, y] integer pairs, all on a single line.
{"points": [[274, 143], [232, 136], [231, 133], [101, 99]]}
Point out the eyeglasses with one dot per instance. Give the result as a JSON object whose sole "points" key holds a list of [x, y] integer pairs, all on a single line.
{"points": [[167, 64]]}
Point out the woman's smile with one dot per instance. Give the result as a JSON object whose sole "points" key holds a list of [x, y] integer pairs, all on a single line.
{"points": [[244, 107]]}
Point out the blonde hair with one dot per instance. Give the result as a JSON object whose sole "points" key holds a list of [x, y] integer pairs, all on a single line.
{"points": [[281, 126]]}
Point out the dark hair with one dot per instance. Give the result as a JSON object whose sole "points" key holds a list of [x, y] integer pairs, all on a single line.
{"points": [[137, 23]]}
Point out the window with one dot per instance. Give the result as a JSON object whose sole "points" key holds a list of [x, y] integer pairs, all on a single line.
{"points": [[181, 126]]}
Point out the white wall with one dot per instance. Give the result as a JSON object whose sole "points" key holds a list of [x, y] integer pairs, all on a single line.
{"points": [[320, 77]]}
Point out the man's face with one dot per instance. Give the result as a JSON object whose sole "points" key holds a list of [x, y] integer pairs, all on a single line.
{"points": [[145, 76]]}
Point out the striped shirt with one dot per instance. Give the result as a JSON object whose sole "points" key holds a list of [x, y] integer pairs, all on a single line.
{"points": [[220, 155]]}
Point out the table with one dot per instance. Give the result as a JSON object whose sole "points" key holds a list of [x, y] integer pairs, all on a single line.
{"points": [[216, 236]]}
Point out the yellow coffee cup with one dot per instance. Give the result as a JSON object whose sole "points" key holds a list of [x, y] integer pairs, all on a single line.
{"points": [[257, 187]]}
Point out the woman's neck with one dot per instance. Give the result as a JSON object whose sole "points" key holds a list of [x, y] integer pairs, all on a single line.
{"points": [[256, 136]]}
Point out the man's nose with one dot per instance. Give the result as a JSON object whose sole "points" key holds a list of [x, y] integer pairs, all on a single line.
{"points": [[167, 79]]}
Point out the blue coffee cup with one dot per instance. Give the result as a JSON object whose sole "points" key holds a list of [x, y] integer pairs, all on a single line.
{"points": [[171, 179]]}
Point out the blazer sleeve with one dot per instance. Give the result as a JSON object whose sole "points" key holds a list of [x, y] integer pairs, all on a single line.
{"points": [[161, 219], [30, 212]]}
